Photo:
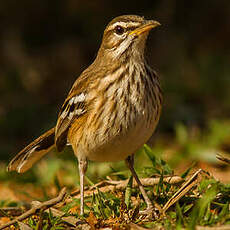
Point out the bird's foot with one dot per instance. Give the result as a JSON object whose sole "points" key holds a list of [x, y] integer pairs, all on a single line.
{"points": [[150, 212]]}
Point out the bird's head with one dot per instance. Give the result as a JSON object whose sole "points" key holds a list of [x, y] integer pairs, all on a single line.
{"points": [[126, 35]]}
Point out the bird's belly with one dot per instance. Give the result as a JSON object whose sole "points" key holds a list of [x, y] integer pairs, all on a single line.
{"points": [[119, 147], [119, 130]]}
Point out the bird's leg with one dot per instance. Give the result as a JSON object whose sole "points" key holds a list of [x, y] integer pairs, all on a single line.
{"points": [[82, 165], [130, 163]]}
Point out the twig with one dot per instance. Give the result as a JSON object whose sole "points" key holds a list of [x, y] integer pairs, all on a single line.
{"points": [[34, 210], [151, 181], [223, 158], [183, 190], [111, 185]]}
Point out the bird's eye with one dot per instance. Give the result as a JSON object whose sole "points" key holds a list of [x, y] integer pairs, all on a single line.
{"points": [[119, 30]]}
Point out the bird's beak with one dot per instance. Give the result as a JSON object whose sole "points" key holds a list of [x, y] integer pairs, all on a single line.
{"points": [[150, 24]]}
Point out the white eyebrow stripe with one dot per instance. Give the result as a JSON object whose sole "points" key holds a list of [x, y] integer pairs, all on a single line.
{"points": [[124, 24]]}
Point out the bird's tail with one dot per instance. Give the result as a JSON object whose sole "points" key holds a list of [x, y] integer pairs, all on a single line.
{"points": [[25, 159]]}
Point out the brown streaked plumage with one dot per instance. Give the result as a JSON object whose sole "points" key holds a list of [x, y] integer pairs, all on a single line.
{"points": [[112, 108]]}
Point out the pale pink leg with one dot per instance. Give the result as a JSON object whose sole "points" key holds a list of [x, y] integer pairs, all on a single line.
{"points": [[82, 165]]}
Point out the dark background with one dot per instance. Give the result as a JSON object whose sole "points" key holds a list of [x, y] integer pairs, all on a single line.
{"points": [[45, 45]]}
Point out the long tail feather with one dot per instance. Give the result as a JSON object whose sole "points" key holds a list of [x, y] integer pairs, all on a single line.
{"points": [[25, 159]]}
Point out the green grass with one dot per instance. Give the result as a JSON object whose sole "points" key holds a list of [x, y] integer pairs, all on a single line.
{"points": [[205, 204]]}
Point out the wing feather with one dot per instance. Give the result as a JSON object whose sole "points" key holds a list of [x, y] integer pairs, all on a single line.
{"points": [[73, 108]]}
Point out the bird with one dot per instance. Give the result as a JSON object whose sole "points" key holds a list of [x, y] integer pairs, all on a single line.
{"points": [[112, 108]]}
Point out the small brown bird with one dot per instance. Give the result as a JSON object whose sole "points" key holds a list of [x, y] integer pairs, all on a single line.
{"points": [[112, 108]]}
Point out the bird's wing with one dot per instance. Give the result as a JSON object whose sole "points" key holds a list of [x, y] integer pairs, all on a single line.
{"points": [[73, 108]]}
